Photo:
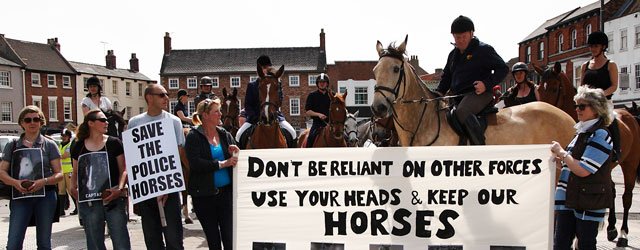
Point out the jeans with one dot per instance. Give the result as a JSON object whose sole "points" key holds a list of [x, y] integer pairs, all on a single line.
{"points": [[216, 211], [94, 216], [569, 227], [21, 211], [152, 227]]}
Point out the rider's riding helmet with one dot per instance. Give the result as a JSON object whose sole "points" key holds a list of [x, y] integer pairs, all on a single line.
{"points": [[322, 78], [462, 24], [598, 37], [206, 81], [94, 81], [519, 66], [264, 61], [181, 93]]}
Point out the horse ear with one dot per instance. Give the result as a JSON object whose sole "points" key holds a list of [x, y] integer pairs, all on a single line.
{"points": [[280, 71], [356, 113], [379, 48], [234, 92], [259, 70], [123, 110], [557, 67], [403, 45], [224, 92], [537, 68], [345, 95]]}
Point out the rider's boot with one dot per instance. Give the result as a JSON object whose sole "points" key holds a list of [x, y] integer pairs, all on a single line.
{"points": [[474, 130], [615, 138]]}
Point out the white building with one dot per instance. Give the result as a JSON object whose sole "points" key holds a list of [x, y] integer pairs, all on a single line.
{"points": [[624, 50]]}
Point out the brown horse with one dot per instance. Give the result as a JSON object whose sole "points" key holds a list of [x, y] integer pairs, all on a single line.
{"points": [[420, 117], [331, 135], [230, 111], [556, 89], [267, 132], [380, 131], [629, 159]]}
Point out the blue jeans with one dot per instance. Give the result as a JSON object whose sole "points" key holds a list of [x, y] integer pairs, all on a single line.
{"points": [[152, 228], [215, 214], [569, 227], [21, 211], [94, 217]]}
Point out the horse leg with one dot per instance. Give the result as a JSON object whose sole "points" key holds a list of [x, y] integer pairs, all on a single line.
{"points": [[630, 174], [612, 233]]}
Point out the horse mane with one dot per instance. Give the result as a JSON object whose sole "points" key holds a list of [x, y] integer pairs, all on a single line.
{"points": [[339, 96]]}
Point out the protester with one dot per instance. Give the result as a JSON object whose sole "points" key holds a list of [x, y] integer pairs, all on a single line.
{"points": [[31, 119]]}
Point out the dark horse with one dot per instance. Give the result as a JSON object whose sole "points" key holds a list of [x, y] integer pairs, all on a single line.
{"points": [[332, 135], [267, 132], [116, 121], [555, 88], [230, 111], [380, 131]]}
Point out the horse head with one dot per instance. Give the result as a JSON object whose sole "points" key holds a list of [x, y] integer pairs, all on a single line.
{"points": [[230, 109], [383, 132], [555, 88], [269, 94], [351, 129], [634, 109], [337, 115]]}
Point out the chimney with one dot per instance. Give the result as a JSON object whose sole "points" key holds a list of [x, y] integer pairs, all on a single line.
{"points": [[133, 63], [111, 59], [413, 60], [439, 71], [167, 43], [322, 40], [53, 42]]}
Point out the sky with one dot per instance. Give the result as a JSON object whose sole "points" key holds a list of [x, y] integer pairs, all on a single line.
{"points": [[87, 29]]}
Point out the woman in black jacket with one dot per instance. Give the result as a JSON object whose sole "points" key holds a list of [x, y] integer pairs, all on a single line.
{"points": [[211, 152]]}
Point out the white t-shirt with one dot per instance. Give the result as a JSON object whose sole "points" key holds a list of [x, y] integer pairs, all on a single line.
{"points": [[145, 118], [105, 103]]}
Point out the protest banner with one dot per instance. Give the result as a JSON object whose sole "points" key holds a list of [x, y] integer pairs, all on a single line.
{"points": [[489, 197], [153, 162]]}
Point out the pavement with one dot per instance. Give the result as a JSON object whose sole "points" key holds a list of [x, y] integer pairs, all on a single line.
{"points": [[69, 235]]}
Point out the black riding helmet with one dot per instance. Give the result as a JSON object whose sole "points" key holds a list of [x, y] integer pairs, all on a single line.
{"points": [[206, 81], [598, 37], [519, 66], [322, 78], [181, 93], [462, 24], [94, 81]]}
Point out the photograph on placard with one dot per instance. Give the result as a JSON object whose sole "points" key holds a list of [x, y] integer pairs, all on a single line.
{"points": [[93, 176], [26, 165], [385, 247], [326, 246], [269, 246]]}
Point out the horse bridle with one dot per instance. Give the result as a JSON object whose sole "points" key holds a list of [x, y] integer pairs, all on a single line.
{"points": [[546, 75], [346, 134]]}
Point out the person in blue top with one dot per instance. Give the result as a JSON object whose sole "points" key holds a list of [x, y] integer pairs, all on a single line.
{"points": [[252, 107], [317, 107], [212, 152], [586, 165], [472, 68]]}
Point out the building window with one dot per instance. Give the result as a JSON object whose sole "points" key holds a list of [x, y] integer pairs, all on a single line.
{"points": [[140, 110], [35, 80], [560, 42], [37, 101], [342, 89], [53, 108], [192, 83], [623, 39], [114, 87], [129, 113], [5, 79], [361, 95], [127, 88], [587, 30], [235, 82], [172, 105], [192, 107], [312, 80], [577, 74], [51, 81], [215, 82], [140, 89], [541, 51], [294, 80], [623, 78], [637, 36], [66, 81], [637, 66], [7, 112], [116, 105], [173, 83], [67, 108], [574, 38], [528, 55], [294, 106], [253, 78], [610, 49]]}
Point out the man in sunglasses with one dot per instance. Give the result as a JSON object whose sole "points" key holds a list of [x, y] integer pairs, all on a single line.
{"points": [[157, 99]]}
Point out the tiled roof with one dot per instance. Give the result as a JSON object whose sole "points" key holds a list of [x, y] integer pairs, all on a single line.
{"points": [[100, 70], [7, 62], [39, 56], [542, 29], [579, 12], [204, 61]]}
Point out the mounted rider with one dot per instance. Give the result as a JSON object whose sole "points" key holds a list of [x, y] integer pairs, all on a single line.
{"points": [[317, 107], [468, 73], [206, 85], [252, 108], [524, 91]]}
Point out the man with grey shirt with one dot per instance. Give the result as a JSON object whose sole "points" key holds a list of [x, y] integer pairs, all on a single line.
{"points": [[157, 98]]}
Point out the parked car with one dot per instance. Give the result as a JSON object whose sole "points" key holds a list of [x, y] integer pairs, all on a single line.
{"points": [[4, 139]]}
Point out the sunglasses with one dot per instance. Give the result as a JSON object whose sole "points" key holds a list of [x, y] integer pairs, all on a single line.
{"points": [[29, 119], [99, 119], [161, 95], [581, 107]]}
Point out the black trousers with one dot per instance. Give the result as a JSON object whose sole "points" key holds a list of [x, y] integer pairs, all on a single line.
{"points": [[569, 227], [216, 211]]}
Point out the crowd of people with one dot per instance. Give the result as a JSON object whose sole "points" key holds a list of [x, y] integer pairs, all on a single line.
{"points": [[210, 151]]}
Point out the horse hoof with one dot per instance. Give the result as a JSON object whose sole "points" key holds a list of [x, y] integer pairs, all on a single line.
{"points": [[622, 242], [612, 234], [188, 221]]}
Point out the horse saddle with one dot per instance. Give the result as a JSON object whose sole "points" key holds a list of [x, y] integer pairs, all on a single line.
{"points": [[486, 116]]}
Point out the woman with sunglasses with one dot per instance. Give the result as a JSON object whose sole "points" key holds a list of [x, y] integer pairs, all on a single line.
{"points": [[91, 138], [211, 152], [94, 99], [31, 119], [583, 192]]}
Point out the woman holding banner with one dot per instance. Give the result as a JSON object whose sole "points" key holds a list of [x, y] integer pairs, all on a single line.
{"points": [[42, 207], [92, 144], [583, 193], [211, 152]]}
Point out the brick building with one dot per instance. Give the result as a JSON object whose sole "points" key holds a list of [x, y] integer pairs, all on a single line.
{"points": [[49, 80], [236, 67], [11, 96]]}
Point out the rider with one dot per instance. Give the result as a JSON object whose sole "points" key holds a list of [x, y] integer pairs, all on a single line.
{"points": [[317, 107], [252, 106], [206, 84], [94, 98], [524, 91], [600, 72], [468, 72], [181, 110]]}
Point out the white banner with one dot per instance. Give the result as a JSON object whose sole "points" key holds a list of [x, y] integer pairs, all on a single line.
{"points": [[488, 197], [153, 161]]}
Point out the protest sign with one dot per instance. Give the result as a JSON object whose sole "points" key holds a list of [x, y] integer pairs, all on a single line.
{"points": [[94, 176], [489, 197], [26, 165], [153, 162]]}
